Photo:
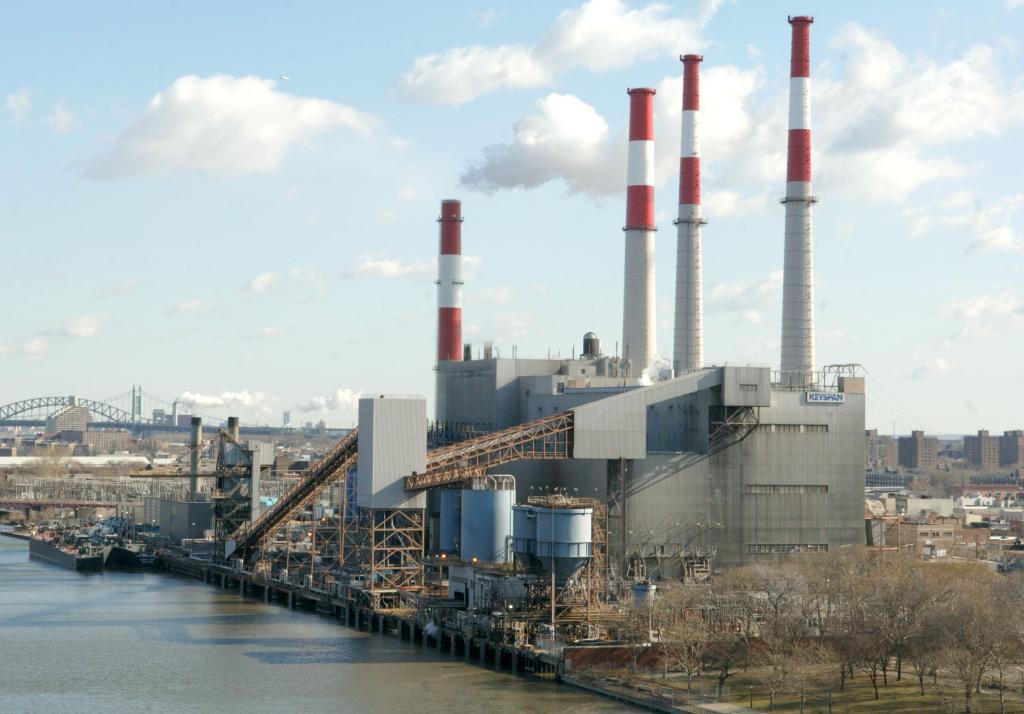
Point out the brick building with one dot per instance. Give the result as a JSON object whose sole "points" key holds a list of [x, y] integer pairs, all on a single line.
{"points": [[982, 451], [918, 451]]}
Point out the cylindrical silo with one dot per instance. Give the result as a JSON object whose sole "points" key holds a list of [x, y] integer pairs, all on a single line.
{"points": [[486, 524], [448, 527], [564, 539]]}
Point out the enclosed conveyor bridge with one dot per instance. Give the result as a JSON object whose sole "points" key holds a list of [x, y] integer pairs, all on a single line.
{"points": [[328, 470]]}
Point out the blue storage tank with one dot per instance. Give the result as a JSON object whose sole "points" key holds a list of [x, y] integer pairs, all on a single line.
{"points": [[448, 526], [487, 520]]}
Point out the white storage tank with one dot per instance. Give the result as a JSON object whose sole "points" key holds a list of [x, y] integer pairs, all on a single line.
{"points": [[487, 527]]}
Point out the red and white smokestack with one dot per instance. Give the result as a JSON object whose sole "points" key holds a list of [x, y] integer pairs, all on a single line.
{"points": [[638, 305], [798, 265], [449, 283], [688, 343]]}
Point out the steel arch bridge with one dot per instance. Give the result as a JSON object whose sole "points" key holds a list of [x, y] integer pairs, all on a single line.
{"points": [[105, 412]]}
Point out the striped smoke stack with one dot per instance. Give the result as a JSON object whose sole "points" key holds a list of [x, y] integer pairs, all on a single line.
{"points": [[688, 343], [449, 283], [798, 265], [638, 320]]}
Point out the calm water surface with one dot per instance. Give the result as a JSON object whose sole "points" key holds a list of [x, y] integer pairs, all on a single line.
{"points": [[112, 642]]}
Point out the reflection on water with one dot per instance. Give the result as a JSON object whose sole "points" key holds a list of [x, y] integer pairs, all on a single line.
{"points": [[151, 643]]}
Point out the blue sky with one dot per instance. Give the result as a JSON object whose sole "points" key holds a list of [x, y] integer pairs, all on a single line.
{"points": [[176, 214]]}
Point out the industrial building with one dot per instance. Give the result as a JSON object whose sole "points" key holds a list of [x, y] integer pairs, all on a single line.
{"points": [[550, 489]]}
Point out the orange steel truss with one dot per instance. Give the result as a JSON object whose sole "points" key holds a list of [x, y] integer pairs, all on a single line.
{"points": [[547, 438]]}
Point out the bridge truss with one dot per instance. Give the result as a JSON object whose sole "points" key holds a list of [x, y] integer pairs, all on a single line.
{"points": [[47, 405]]}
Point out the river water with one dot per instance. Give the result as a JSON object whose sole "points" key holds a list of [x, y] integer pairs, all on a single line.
{"points": [[140, 642]]}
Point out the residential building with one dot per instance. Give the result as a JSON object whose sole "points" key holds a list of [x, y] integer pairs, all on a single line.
{"points": [[918, 451], [982, 451], [880, 451], [1011, 448]]}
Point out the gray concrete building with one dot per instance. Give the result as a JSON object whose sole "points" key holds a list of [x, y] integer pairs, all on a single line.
{"points": [[720, 459]]}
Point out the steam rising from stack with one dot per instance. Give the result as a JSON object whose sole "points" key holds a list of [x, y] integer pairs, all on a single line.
{"points": [[798, 265], [638, 305]]}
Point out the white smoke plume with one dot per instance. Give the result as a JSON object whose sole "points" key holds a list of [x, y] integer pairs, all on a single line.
{"points": [[339, 399]]}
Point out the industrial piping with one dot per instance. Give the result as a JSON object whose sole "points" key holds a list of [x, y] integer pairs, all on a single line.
{"points": [[797, 364], [688, 343], [449, 283], [638, 304]]}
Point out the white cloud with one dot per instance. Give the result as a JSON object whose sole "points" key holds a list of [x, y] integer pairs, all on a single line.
{"points": [[18, 105], [889, 114], [883, 124], [222, 126], [193, 306], [304, 280], [565, 139], [984, 314], [82, 326], [196, 400], [407, 194], [598, 35], [34, 347], [1014, 4], [5, 350], [990, 226], [269, 331], [262, 283], [931, 367], [745, 299], [376, 266], [338, 400], [61, 120]]}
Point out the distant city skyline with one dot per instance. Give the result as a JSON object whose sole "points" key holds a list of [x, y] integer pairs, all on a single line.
{"points": [[234, 206]]}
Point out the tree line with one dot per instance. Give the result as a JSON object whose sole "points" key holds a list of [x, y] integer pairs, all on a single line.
{"points": [[808, 625]]}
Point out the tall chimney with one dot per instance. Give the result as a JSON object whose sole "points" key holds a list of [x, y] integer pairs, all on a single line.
{"points": [[797, 364], [638, 305], [194, 455], [449, 282], [688, 343]]}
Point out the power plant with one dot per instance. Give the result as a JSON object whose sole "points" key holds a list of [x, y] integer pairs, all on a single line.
{"points": [[546, 492]]}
